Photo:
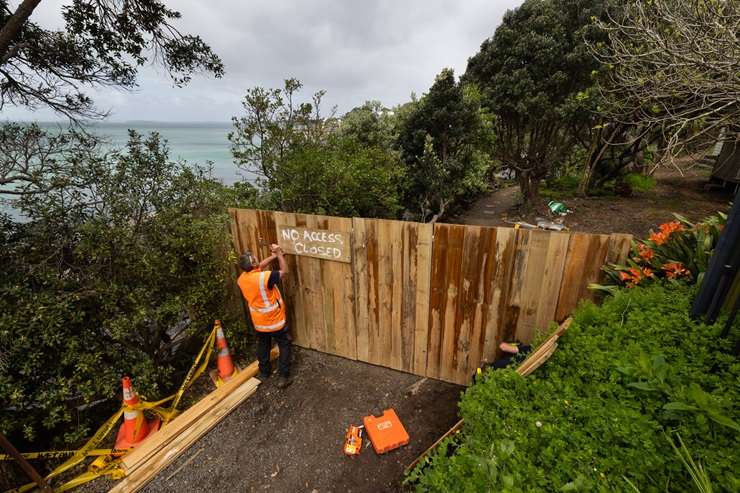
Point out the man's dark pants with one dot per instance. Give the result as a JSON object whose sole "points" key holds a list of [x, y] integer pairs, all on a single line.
{"points": [[264, 344]]}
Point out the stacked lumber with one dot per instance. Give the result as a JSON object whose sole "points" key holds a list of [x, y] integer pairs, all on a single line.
{"points": [[144, 462], [544, 351], [534, 361]]}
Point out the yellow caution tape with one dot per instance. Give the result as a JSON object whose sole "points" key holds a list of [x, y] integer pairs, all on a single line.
{"points": [[110, 467], [193, 374], [58, 454]]}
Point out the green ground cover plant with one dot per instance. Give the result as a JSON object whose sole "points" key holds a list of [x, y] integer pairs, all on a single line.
{"points": [[603, 414], [640, 183]]}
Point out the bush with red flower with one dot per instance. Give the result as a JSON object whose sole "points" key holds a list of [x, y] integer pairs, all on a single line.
{"points": [[678, 251]]}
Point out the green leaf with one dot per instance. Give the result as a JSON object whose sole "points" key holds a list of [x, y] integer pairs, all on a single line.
{"points": [[679, 406]]}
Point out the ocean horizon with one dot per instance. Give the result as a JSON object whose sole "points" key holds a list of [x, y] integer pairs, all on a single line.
{"points": [[193, 142]]}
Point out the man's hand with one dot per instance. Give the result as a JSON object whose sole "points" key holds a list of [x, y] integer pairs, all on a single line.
{"points": [[278, 252]]}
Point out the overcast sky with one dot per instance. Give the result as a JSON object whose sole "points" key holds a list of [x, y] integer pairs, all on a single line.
{"points": [[355, 50]]}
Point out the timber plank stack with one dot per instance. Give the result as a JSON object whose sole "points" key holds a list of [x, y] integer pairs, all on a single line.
{"points": [[144, 462]]}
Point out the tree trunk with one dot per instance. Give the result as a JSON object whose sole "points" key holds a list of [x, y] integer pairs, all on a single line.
{"points": [[13, 27], [529, 186], [597, 152]]}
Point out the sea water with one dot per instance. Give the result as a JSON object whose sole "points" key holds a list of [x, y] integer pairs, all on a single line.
{"points": [[193, 142], [198, 143]]}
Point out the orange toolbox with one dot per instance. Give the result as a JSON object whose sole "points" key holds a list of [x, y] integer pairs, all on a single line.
{"points": [[386, 432]]}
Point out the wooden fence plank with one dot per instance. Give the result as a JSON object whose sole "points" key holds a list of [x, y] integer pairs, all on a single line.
{"points": [[398, 284], [292, 291], [552, 276], [619, 248], [466, 317], [586, 255], [341, 332], [374, 306], [422, 271], [498, 283], [451, 284], [361, 288], [532, 283], [312, 291]]}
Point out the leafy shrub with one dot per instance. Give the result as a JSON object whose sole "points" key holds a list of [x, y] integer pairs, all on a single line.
{"points": [[340, 177], [123, 274], [679, 250], [598, 415], [639, 182], [564, 186]]}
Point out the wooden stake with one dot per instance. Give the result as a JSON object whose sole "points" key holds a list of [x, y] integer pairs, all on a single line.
{"points": [[25, 465]]}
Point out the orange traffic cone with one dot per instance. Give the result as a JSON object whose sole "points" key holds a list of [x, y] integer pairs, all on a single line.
{"points": [[226, 367], [135, 427]]}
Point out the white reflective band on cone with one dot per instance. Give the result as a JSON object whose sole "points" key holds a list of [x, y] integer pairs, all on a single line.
{"points": [[224, 352], [130, 414], [127, 394]]}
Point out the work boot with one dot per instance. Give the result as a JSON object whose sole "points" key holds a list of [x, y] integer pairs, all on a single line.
{"points": [[283, 382]]}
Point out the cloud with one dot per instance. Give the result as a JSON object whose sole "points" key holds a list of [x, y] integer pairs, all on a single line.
{"points": [[355, 50]]}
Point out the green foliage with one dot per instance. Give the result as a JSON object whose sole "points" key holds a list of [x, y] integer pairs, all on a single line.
{"points": [[343, 177], [370, 125], [534, 74], [594, 417], [564, 186], [122, 272], [101, 43], [639, 182], [445, 140], [312, 164]]}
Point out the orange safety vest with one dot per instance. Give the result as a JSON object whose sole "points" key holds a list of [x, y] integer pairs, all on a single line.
{"points": [[265, 305]]}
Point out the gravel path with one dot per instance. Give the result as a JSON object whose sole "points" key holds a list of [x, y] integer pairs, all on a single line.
{"points": [[291, 440]]}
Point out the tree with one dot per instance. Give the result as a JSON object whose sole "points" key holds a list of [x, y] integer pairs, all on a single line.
{"points": [[531, 72], [104, 42], [122, 274], [673, 69], [310, 163], [120, 261], [341, 177], [274, 124], [371, 124], [438, 139], [34, 161]]}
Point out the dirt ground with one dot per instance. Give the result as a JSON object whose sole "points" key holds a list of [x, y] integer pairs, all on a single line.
{"points": [[636, 214], [291, 440]]}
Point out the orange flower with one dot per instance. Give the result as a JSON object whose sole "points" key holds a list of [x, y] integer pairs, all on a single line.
{"points": [[658, 238], [647, 272], [631, 276], [645, 252], [671, 227], [674, 270]]}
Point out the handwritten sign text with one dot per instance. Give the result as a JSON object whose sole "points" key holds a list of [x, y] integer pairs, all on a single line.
{"points": [[327, 245]]}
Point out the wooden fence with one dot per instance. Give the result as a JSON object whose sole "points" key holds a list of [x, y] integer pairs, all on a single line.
{"points": [[433, 300]]}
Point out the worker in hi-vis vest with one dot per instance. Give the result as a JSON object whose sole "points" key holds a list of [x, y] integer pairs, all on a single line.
{"points": [[267, 308]]}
